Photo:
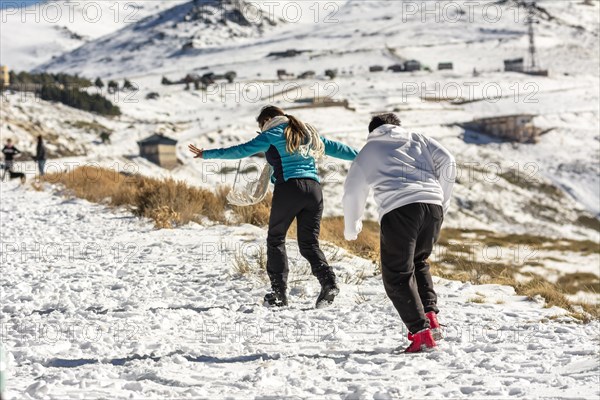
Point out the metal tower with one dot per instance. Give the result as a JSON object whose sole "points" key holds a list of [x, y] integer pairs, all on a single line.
{"points": [[530, 21]]}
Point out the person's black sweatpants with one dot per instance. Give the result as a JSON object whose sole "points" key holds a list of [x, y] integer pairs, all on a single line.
{"points": [[301, 199], [407, 237]]}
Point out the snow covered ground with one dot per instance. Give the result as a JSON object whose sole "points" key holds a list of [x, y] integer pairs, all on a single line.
{"points": [[99, 304]]}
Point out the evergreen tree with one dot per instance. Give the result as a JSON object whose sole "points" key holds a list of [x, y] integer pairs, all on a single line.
{"points": [[127, 85], [113, 86], [76, 98]]}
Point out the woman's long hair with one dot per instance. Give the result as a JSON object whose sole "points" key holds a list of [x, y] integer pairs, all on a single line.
{"points": [[300, 137]]}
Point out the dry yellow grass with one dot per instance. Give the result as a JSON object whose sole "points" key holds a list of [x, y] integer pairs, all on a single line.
{"points": [[98, 185], [579, 281], [168, 202], [257, 214], [477, 300], [177, 201]]}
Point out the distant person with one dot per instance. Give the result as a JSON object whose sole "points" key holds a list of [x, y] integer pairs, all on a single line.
{"points": [[40, 155], [412, 177], [292, 149], [9, 151]]}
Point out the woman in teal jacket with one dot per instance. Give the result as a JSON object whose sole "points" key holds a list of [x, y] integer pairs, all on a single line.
{"points": [[292, 148]]}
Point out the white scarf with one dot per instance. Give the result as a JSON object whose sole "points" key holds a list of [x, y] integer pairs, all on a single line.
{"points": [[305, 150], [275, 121]]}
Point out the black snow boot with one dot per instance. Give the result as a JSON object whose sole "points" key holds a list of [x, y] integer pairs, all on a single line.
{"points": [[277, 297], [329, 289]]}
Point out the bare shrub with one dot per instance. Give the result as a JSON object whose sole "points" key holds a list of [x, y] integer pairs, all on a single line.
{"points": [[168, 202], [254, 265], [257, 214]]}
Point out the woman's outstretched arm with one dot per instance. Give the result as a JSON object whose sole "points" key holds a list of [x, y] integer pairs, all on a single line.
{"points": [[259, 144], [339, 150]]}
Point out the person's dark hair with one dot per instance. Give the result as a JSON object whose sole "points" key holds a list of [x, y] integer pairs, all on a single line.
{"points": [[384, 119], [296, 133], [267, 113], [40, 139]]}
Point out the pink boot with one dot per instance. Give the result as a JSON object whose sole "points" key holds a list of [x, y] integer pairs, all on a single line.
{"points": [[421, 341], [434, 325]]}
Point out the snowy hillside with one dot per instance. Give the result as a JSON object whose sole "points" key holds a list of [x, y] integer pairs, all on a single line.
{"points": [[119, 310], [351, 35], [175, 34], [55, 27]]}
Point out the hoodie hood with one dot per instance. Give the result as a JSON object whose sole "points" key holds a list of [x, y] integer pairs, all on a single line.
{"points": [[390, 132]]}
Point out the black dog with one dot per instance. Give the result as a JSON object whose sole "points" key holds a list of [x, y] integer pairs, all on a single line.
{"points": [[12, 174]]}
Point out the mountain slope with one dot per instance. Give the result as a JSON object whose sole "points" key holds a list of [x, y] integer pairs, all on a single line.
{"points": [[178, 32], [37, 33], [354, 33]]}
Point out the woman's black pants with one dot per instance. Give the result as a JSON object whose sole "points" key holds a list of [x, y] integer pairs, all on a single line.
{"points": [[301, 199]]}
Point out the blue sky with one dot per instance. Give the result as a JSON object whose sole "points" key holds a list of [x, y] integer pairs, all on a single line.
{"points": [[11, 3]]}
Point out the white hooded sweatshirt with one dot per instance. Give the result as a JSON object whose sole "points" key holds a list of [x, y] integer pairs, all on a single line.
{"points": [[402, 168]]}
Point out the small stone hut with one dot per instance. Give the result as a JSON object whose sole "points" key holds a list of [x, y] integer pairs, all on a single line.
{"points": [[160, 150]]}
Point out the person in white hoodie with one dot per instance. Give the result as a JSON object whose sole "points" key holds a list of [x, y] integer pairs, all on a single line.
{"points": [[412, 177]]}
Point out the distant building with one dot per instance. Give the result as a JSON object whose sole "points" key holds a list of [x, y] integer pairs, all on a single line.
{"points": [[518, 65], [412, 65], [283, 74], [514, 128], [396, 68], [188, 46], [536, 72], [286, 54], [307, 75], [445, 66], [160, 150], [320, 102], [4, 76], [407, 66], [376, 68], [514, 65]]}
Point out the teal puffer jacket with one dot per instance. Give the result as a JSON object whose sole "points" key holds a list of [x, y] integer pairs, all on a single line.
{"points": [[286, 165]]}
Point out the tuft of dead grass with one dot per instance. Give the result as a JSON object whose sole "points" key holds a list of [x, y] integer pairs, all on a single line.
{"points": [[477, 300], [253, 265], [550, 292], [555, 296]]}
